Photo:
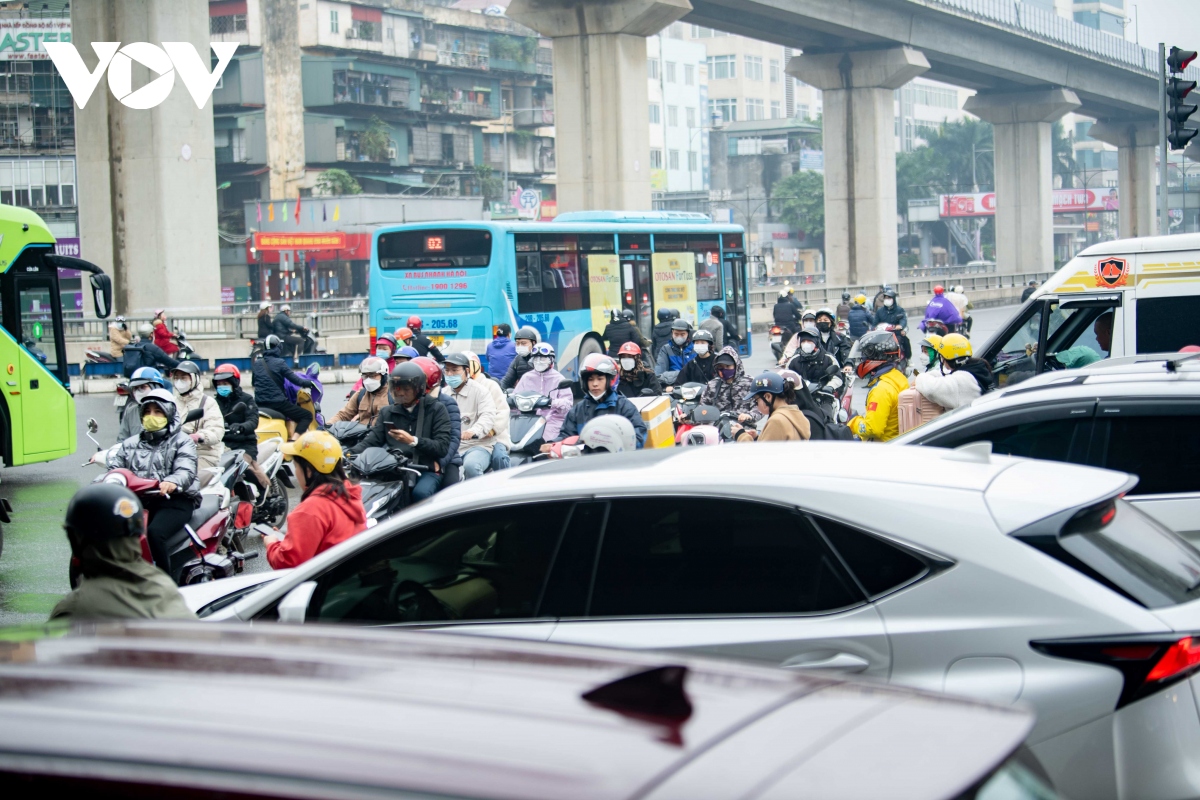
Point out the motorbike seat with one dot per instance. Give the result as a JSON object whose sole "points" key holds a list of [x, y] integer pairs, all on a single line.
{"points": [[269, 413], [210, 504]]}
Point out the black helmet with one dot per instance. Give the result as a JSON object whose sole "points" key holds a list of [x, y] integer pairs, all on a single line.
{"points": [[409, 374], [717, 312], [103, 511], [189, 367], [627, 314], [272, 342], [876, 348], [526, 332], [674, 313], [845, 297], [457, 359], [681, 325], [702, 336], [889, 292], [809, 332], [664, 315]]}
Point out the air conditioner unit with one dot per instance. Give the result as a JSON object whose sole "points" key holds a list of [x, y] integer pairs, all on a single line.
{"points": [[458, 165], [351, 33], [392, 155]]}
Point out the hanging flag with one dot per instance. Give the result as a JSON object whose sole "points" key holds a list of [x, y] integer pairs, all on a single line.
{"points": [[298, 209], [323, 216], [270, 212], [258, 212], [337, 212], [285, 211]]}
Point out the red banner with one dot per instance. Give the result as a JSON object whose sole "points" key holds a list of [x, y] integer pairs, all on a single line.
{"points": [[335, 240], [1066, 201]]}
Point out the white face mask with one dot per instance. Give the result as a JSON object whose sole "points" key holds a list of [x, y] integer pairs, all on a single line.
{"points": [[541, 364], [887, 301], [679, 340], [372, 384], [523, 350], [182, 385], [808, 347], [628, 364], [701, 348], [140, 392]]}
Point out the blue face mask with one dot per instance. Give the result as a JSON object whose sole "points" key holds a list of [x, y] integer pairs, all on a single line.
{"points": [[454, 381], [224, 391]]}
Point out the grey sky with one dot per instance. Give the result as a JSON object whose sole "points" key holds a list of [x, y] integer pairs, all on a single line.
{"points": [[1175, 22]]}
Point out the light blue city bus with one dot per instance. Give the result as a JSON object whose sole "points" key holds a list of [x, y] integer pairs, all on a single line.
{"points": [[565, 277]]}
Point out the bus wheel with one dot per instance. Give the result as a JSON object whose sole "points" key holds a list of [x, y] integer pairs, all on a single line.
{"points": [[590, 345]]}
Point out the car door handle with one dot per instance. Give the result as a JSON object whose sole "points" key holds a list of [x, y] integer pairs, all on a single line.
{"points": [[842, 662]]}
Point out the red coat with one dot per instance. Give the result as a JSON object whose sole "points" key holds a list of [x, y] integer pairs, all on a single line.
{"points": [[162, 338], [319, 522]]}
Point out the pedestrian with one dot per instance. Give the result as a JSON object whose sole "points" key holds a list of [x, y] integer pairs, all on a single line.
{"points": [[1029, 290], [500, 351]]}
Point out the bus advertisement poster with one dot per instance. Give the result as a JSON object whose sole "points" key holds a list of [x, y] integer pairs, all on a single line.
{"points": [[604, 279], [675, 283]]}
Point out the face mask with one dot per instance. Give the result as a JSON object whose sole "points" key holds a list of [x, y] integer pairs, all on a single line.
{"points": [[454, 381], [541, 364], [824, 327], [679, 340], [154, 424], [140, 392], [887, 301], [372, 384], [598, 395], [701, 348], [808, 347], [523, 350], [383, 352], [727, 373], [224, 391], [182, 385], [628, 364]]}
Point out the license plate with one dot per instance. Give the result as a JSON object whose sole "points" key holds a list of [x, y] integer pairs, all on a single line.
{"points": [[119, 400], [438, 341], [776, 339]]}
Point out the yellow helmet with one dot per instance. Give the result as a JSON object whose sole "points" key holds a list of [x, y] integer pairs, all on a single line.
{"points": [[861, 299], [932, 341], [954, 346], [318, 448]]}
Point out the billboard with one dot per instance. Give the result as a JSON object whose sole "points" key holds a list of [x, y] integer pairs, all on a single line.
{"points": [[21, 39], [1066, 201]]}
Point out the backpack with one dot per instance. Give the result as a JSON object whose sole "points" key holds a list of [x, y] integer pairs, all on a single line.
{"points": [[915, 409], [821, 429], [134, 358]]}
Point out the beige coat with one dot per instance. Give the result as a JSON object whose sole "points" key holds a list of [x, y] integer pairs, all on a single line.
{"points": [[502, 414], [478, 412], [117, 339], [365, 411], [211, 426]]}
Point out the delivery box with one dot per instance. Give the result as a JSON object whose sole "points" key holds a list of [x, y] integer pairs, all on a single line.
{"points": [[656, 413]]}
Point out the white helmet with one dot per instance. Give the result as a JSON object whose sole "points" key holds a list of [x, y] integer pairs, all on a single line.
{"points": [[958, 289], [700, 435], [373, 365], [264, 305], [611, 432]]}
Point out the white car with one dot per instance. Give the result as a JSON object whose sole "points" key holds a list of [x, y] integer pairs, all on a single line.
{"points": [[1010, 580]]}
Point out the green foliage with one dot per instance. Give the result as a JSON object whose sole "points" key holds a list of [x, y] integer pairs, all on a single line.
{"points": [[521, 49], [375, 140], [1062, 154], [957, 157], [491, 185], [337, 182], [800, 202]]}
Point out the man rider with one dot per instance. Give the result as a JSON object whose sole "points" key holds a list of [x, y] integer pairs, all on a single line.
{"points": [[208, 432], [104, 525], [478, 414], [364, 405], [786, 315], [145, 353], [676, 353], [597, 375], [661, 333], [422, 342], [729, 388], [621, 330], [700, 368], [291, 334], [524, 339], [832, 342], [879, 366], [812, 363], [843, 309], [416, 424], [890, 312], [941, 309], [240, 424], [961, 378], [269, 373]]}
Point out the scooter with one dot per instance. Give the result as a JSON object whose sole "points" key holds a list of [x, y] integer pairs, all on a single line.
{"points": [[272, 507], [776, 338], [306, 398], [99, 357], [122, 398], [186, 353], [527, 428], [387, 481], [701, 427], [684, 399], [348, 432]]}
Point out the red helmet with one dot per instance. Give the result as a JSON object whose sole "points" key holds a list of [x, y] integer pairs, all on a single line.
{"points": [[414, 322], [433, 373], [629, 349], [598, 363], [224, 372], [939, 289]]}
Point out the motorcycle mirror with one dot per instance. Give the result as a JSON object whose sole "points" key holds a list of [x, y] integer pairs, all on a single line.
{"points": [[92, 426], [193, 415], [240, 408], [565, 383], [314, 369]]}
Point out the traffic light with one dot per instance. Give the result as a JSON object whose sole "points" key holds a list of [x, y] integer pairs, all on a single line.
{"points": [[1178, 132]]}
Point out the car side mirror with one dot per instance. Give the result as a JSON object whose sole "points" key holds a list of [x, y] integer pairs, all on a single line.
{"points": [[293, 608]]}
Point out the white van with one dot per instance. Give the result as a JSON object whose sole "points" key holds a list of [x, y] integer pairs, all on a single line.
{"points": [[1113, 299]]}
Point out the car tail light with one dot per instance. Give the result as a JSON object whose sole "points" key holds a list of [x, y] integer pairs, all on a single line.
{"points": [[1147, 663]]}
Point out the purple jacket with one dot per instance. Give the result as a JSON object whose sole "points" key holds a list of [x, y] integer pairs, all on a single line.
{"points": [[941, 309], [561, 400], [500, 353]]}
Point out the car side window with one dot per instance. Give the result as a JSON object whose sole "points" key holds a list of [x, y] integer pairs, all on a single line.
{"points": [[1163, 451], [1048, 439], [879, 566], [1166, 324], [1017, 356], [685, 556], [482, 565]]}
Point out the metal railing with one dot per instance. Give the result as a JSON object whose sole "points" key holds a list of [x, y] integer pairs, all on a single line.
{"points": [[227, 326], [827, 296], [304, 306]]}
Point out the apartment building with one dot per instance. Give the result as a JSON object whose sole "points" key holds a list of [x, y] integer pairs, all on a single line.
{"points": [[677, 77]]}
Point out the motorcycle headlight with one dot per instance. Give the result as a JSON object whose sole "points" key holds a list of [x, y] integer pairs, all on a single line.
{"points": [[689, 393], [524, 404], [116, 478]]}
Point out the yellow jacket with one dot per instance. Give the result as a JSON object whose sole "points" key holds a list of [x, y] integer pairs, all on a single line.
{"points": [[881, 422]]}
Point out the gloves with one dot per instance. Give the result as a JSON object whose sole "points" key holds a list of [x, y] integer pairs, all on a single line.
{"points": [[195, 437]]}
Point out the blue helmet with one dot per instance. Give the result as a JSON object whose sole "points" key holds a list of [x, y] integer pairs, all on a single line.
{"points": [[143, 375], [767, 382], [408, 352]]}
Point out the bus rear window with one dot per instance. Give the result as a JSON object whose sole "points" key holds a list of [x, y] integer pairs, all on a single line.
{"points": [[451, 247]]}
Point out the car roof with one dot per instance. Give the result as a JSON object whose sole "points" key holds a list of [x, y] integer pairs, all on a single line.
{"points": [[283, 710], [1144, 244]]}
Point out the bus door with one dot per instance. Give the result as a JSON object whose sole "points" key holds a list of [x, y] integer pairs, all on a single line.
{"points": [[734, 274], [636, 292]]}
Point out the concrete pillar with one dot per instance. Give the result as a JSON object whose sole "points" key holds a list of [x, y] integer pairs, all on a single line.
{"points": [[1024, 180], [860, 157], [1137, 151], [284, 114], [147, 178], [600, 95]]}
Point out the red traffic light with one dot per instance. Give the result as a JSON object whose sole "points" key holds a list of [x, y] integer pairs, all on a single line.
{"points": [[1178, 60], [1177, 88]]}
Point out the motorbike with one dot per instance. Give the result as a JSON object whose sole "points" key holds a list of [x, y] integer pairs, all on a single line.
{"points": [[348, 432], [387, 479], [186, 353], [706, 425], [683, 400], [776, 338], [272, 507], [306, 398], [121, 398], [526, 428], [99, 357]]}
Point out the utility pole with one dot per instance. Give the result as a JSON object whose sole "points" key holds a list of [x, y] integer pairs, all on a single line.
{"points": [[1162, 139]]}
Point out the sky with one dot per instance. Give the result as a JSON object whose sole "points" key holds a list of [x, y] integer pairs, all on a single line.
{"points": [[1174, 22]]}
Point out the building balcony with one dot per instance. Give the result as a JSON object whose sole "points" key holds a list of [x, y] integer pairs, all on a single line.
{"points": [[449, 58], [535, 118]]}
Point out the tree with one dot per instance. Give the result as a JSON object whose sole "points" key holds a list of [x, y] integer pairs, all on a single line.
{"points": [[800, 199], [1062, 155], [375, 140], [491, 186], [337, 182]]}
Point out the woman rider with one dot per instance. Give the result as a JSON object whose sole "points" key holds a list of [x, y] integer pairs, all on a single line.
{"points": [[637, 380], [776, 398]]}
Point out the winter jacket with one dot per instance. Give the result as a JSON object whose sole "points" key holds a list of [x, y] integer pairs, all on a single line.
{"points": [[634, 384], [785, 424], [673, 358], [239, 425], [698, 370], [163, 340], [881, 422], [960, 302], [166, 455], [815, 368], [364, 406], [731, 396], [893, 315], [452, 456], [940, 308], [428, 421], [731, 334], [266, 326], [1027, 292], [958, 388], [119, 584], [837, 346], [478, 412], [425, 347], [618, 333], [861, 320], [131, 421], [660, 334], [561, 400], [269, 372], [519, 366], [501, 402], [589, 408], [500, 353], [283, 326], [152, 355], [316, 524], [843, 311], [717, 328], [118, 337], [785, 314], [210, 428]]}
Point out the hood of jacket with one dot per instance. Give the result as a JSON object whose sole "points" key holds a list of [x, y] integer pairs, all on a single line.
{"points": [[118, 582], [350, 507], [543, 382], [979, 369], [174, 423], [739, 372]]}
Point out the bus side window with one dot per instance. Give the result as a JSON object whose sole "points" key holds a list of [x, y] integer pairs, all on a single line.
{"points": [[561, 286], [529, 283]]}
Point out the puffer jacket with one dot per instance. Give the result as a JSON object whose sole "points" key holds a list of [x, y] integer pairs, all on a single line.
{"points": [[166, 455], [673, 358], [241, 424], [452, 455], [118, 337], [861, 320], [561, 400], [210, 428], [269, 372], [881, 422], [516, 368], [501, 401], [892, 315], [589, 408], [660, 334], [731, 396], [118, 583]]}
